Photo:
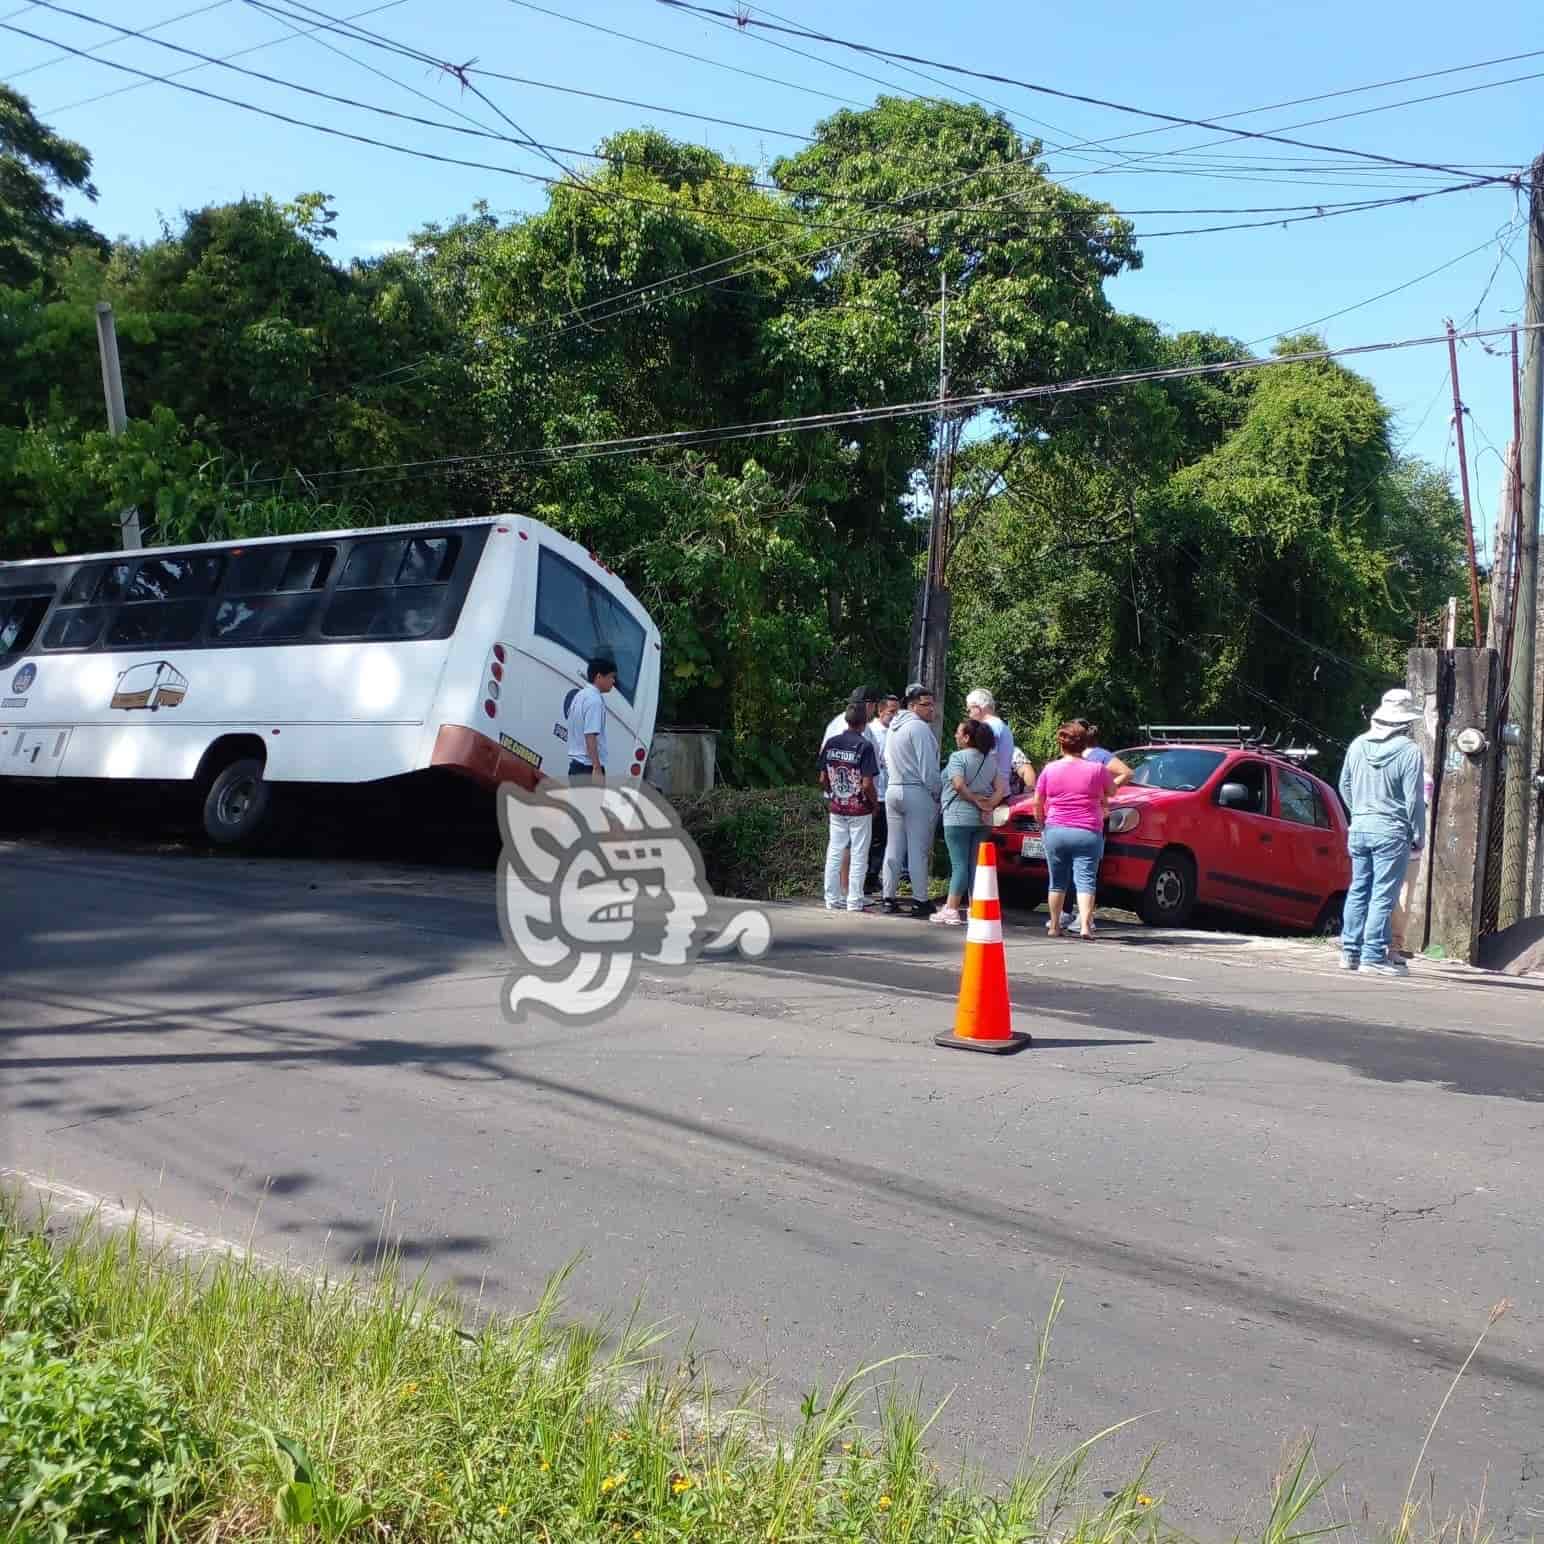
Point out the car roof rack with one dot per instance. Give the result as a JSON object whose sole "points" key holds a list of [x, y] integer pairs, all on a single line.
{"points": [[1244, 736]]}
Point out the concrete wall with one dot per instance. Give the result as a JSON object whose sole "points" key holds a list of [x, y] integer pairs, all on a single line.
{"points": [[1459, 804], [683, 762]]}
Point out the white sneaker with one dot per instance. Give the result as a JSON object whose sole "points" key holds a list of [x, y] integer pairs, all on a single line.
{"points": [[946, 917], [1396, 968]]}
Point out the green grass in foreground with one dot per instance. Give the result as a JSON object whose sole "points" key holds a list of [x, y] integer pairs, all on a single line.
{"points": [[149, 1397]]}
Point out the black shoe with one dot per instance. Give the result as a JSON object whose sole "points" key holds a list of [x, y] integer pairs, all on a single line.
{"points": [[890, 907], [922, 910]]}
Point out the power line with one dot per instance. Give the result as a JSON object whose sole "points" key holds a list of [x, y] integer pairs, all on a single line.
{"points": [[741, 216], [664, 48], [1069, 96], [32, 69], [482, 132], [1374, 299], [851, 417], [252, 48]]}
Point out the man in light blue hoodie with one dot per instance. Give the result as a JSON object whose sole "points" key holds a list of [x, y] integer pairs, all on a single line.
{"points": [[911, 799], [1384, 785]]}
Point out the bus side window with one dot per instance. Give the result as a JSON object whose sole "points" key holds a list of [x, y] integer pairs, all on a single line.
{"points": [[396, 588], [102, 582], [75, 628], [19, 619], [272, 594]]}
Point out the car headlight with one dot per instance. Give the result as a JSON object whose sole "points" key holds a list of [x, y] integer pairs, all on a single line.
{"points": [[1123, 820]]}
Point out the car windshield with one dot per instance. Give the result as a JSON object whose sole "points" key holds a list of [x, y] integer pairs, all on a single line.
{"points": [[1172, 767]]}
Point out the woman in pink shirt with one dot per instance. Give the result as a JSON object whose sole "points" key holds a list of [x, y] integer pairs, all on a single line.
{"points": [[1071, 798]]}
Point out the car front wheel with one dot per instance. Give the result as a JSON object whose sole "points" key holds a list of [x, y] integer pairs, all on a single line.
{"points": [[1170, 893]]}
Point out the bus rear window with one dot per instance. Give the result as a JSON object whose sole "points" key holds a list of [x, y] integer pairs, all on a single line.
{"points": [[573, 610]]}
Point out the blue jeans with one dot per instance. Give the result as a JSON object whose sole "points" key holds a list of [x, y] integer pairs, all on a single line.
{"points": [[1071, 853], [963, 842], [1377, 869]]}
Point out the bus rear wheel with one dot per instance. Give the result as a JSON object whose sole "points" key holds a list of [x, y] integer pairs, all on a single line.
{"points": [[238, 804]]}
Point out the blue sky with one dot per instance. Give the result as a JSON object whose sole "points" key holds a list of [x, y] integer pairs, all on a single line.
{"points": [[158, 150]]}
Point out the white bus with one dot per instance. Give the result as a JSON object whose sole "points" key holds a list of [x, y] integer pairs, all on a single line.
{"points": [[341, 657]]}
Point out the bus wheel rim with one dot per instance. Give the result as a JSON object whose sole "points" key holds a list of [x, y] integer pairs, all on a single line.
{"points": [[236, 799]]}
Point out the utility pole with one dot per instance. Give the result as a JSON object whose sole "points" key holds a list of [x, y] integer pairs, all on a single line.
{"points": [[1463, 476], [117, 414], [1521, 795], [931, 646]]}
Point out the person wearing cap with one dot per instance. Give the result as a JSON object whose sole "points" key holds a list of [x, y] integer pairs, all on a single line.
{"points": [[911, 799], [1383, 785], [1399, 920]]}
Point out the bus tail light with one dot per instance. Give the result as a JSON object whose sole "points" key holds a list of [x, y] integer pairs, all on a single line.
{"points": [[490, 708], [496, 671], [498, 652]]}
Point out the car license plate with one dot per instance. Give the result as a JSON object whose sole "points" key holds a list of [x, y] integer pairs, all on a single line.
{"points": [[1032, 847]]}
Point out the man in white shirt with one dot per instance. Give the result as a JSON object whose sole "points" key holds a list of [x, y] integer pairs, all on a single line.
{"points": [[587, 721], [982, 707], [884, 709]]}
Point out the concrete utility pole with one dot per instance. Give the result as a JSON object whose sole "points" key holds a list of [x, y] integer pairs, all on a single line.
{"points": [[112, 389], [930, 646], [1521, 796]]}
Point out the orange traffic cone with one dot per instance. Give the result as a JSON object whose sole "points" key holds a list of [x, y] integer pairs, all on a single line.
{"points": [[983, 1020]]}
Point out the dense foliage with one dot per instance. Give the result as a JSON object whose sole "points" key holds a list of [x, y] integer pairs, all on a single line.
{"points": [[1243, 546]]}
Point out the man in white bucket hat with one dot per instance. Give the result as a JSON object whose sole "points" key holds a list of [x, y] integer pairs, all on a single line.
{"points": [[1383, 784]]}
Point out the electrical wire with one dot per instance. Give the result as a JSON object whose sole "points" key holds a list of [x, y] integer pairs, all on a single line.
{"points": [[664, 48], [32, 69], [852, 417], [482, 132], [1044, 90], [1318, 212], [1374, 299], [251, 48]]}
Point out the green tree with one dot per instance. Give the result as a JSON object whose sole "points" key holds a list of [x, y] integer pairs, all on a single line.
{"points": [[37, 167]]}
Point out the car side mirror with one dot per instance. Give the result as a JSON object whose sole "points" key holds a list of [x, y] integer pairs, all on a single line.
{"points": [[1233, 796]]}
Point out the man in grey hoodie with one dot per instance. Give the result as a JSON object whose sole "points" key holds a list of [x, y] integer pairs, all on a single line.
{"points": [[911, 798], [1384, 785]]}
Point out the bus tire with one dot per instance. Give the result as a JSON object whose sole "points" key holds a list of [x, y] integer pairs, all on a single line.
{"points": [[238, 804]]}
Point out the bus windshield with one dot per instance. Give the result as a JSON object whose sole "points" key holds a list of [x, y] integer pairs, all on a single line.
{"points": [[1177, 768]]}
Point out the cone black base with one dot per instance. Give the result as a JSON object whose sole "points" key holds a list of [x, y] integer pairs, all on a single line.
{"points": [[1015, 1042]]}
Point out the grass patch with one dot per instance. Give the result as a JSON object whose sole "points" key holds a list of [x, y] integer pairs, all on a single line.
{"points": [[769, 844], [760, 844], [165, 1397]]}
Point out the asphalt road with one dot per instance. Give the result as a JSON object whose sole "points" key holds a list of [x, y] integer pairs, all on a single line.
{"points": [[1279, 1198]]}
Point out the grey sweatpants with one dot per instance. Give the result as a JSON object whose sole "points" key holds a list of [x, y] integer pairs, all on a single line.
{"points": [[910, 814]]}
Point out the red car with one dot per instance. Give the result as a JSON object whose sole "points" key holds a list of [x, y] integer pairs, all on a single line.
{"points": [[1234, 827]]}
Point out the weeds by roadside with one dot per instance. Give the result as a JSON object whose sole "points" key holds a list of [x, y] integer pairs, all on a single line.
{"points": [[154, 1396]]}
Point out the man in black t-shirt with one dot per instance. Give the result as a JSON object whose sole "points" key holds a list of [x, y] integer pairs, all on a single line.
{"points": [[848, 768]]}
